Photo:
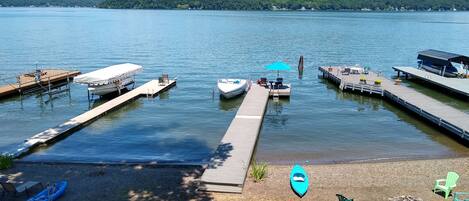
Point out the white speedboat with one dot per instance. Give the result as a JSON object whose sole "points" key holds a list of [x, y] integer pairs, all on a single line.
{"points": [[230, 88], [110, 79]]}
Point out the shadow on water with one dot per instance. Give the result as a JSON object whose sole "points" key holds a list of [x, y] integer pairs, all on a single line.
{"points": [[231, 104], [114, 182]]}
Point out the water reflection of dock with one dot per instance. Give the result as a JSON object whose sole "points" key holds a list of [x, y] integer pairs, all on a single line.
{"points": [[53, 134], [428, 108]]}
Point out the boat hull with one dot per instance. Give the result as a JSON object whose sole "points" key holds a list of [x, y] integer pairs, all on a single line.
{"points": [[230, 90], [102, 90]]}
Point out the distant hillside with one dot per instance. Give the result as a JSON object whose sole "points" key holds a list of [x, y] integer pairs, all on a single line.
{"points": [[61, 3], [290, 4], [366, 5]]}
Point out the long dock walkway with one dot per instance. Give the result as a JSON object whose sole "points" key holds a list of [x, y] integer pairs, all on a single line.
{"points": [[431, 109], [28, 81], [229, 166], [52, 134], [456, 85]]}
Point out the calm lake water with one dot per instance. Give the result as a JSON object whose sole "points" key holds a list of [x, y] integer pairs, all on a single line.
{"points": [[185, 124]]}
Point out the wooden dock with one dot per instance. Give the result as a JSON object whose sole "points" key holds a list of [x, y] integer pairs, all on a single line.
{"points": [[229, 166], [456, 85], [28, 81], [431, 109], [60, 131]]}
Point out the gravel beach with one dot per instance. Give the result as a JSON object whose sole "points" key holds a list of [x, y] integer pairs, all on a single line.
{"points": [[361, 181]]}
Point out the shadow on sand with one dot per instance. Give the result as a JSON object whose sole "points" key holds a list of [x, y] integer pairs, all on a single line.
{"points": [[113, 182]]}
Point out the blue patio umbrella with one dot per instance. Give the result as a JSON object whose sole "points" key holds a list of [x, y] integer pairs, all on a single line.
{"points": [[278, 66]]}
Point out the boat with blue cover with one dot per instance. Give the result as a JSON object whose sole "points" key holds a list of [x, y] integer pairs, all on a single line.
{"points": [[299, 180]]}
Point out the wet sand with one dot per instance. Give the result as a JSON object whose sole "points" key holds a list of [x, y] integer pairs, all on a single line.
{"points": [[361, 181]]}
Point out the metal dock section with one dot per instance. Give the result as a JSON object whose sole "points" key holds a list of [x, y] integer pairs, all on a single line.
{"points": [[229, 166], [52, 134], [28, 81], [433, 110], [457, 85]]}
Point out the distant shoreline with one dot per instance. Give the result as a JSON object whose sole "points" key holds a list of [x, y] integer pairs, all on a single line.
{"points": [[296, 11]]}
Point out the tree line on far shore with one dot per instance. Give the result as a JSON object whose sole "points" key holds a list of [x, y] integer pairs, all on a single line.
{"points": [[46, 3], [290, 4], [386, 5]]}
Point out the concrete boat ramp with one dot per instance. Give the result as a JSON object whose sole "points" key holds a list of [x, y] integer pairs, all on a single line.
{"points": [[53, 134], [456, 85], [440, 114], [229, 166]]}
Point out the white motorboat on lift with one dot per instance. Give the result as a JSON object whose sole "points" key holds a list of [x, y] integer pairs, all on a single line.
{"points": [[230, 88], [110, 79]]}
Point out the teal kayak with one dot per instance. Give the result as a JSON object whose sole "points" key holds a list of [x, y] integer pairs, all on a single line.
{"points": [[299, 180]]}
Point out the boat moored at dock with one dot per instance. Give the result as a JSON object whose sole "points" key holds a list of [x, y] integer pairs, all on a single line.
{"points": [[443, 63], [110, 79], [230, 88]]}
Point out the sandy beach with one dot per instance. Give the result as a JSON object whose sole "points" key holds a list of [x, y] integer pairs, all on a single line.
{"points": [[361, 181]]}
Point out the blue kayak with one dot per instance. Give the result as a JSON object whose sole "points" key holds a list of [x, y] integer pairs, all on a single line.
{"points": [[299, 180], [51, 193]]}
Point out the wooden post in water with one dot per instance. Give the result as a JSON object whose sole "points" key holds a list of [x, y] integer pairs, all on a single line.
{"points": [[300, 67]]}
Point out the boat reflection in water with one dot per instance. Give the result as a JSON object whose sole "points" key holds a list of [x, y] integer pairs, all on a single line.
{"points": [[230, 104]]}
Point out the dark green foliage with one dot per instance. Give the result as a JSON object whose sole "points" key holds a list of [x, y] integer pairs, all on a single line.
{"points": [[253, 4], [289, 4], [6, 162], [42, 3]]}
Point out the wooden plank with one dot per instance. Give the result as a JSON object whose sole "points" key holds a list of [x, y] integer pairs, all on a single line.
{"points": [[28, 81], [229, 165], [51, 134], [441, 114]]}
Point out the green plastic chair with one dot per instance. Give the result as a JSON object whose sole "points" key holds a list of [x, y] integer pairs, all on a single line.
{"points": [[450, 183], [343, 198], [458, 195]]}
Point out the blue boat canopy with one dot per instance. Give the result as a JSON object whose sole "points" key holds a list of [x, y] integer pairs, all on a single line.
{"points": [[278, 66]]}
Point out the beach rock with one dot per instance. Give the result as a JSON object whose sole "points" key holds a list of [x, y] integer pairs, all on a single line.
{"points": [[405, 198]]}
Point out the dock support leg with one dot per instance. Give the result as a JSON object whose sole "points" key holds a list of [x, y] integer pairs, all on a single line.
{"points": [[48, 82], [398, 74]]}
